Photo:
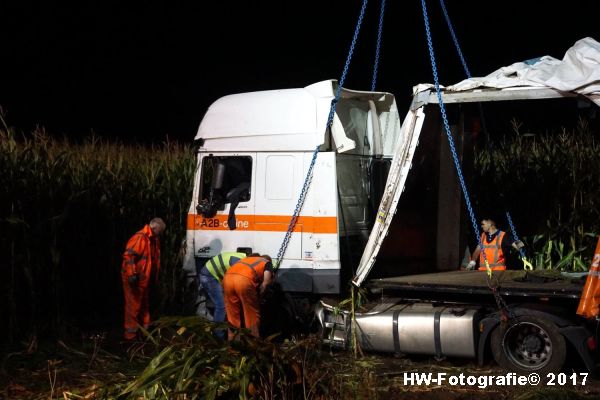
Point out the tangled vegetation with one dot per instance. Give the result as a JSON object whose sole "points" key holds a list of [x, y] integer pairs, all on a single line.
{"points": [[182, 360], [193, 363]]}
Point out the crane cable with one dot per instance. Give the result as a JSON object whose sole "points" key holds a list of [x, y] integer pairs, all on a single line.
{"points": [[505, 311], [526, 263], [308, 178]]}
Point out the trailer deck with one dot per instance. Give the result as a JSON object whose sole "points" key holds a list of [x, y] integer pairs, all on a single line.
{"points": [[510, 283]]}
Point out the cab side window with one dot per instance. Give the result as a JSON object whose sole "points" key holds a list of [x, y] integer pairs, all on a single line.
{"points": [[224, 179]]}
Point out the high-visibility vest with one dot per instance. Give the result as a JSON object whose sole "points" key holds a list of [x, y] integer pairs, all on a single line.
{"points": [[250, 267], [218, 265], [589, 304], [493, 253]]}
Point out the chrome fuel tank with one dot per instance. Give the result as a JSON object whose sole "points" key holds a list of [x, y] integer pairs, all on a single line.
{"points": [[419, 328]]}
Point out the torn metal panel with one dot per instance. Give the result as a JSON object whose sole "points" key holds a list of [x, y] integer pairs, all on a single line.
{"points": [[401, 163]]}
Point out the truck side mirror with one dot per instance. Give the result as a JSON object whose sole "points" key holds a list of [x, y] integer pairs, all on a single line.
{"points": [[198, 143]]}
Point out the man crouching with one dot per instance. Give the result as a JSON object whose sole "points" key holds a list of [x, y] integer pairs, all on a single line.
{"points": [[243, 285]]}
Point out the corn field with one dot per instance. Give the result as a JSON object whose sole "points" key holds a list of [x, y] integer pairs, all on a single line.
{"points": [[66, 211], [550, 183]]}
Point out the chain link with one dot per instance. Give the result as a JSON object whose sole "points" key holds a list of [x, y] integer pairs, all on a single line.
{"points": [[503, 308], [449, 134], [455, 39], [468, 73], [514, 233], [378, 48], [299, 204], [346, 65], [308, 179]]}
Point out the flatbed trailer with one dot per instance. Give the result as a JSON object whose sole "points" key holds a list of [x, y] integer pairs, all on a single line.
{"points": [[529, 323], [525, 320], [521, 285]]}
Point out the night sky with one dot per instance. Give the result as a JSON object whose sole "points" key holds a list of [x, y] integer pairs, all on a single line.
{"points": [[143, 70]]}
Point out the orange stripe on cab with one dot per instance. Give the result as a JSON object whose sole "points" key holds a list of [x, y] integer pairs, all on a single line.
{"points": [[263, 223]]}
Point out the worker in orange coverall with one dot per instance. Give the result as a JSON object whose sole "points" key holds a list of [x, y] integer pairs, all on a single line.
{"points": [[141, 263], [243, 285]]}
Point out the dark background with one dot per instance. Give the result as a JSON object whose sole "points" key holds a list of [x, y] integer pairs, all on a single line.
{"points": [[143, 70]]}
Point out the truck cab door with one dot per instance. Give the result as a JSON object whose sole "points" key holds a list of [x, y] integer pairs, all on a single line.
{"points": [[225, 200]]}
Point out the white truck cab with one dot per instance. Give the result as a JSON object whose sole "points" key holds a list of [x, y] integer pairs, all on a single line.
{"points": [[254, 153]]}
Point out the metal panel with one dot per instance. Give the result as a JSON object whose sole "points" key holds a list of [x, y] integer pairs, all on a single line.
{"points": [[322, 197], [449, 203], [376, 332], [401, 164], [416, 331], [413, 329], [457, 332], [353, 193], [326, 281], [484, 95], [475, 282], [295, 279]]}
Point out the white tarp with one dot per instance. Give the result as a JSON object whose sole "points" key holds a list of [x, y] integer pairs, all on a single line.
{"points": [[578, 71]]}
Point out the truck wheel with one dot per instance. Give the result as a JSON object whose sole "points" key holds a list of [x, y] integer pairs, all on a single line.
{"points": [[529, 344]]}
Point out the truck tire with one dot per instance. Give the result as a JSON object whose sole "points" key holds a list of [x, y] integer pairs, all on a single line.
{"points": [[529, 344]]}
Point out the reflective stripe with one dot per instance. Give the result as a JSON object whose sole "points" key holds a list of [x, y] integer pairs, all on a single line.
{"points": [[218, 265], [254, 264], [252, 269], [264, 223], [216, 269], [222, 266]]}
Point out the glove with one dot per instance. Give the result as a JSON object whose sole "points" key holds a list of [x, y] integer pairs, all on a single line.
{"points": [[518, 244], [471, 265], [134, 279]]}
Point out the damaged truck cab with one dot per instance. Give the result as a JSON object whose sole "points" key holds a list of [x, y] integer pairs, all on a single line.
{"points": [[254, 151]]}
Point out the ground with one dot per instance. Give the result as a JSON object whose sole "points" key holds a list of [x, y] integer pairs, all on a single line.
{"points": [[89, 368], [99, 366]]}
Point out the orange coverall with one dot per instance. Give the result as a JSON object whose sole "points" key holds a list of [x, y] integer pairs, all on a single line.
{"points": [[141, 257], [240, 287]]}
